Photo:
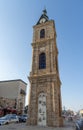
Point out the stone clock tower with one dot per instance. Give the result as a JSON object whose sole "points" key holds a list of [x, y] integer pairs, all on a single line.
{"points": [[45, 92]]}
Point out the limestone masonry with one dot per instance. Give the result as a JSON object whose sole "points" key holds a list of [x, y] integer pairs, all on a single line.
{"points": [[45, 105]]}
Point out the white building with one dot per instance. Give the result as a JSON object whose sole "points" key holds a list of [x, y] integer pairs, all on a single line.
{"points": [[81, 113], [12, 94]]}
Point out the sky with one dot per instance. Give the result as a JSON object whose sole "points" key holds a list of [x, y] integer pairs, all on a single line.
{"points": [[17, 18]]}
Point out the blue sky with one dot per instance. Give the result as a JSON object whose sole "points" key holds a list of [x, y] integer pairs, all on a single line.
{"points": [[17, 18]]}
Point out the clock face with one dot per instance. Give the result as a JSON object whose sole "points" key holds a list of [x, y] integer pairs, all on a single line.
{"points": [[42, 20]]}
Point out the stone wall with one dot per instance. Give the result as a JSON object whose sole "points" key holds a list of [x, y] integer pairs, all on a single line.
{"points": [[45, 80]]}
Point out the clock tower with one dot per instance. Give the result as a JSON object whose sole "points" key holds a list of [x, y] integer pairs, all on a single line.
{"points": [[45, 105]]}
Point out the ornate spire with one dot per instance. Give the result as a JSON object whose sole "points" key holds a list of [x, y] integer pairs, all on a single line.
{"points": [[45, 12]]}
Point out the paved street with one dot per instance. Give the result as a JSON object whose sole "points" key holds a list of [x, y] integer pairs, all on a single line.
{"points": [[23, 126]]}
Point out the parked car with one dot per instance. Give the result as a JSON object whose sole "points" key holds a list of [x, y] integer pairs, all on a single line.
{"points": [[9, 118], [79, 124], [23, 118], [4, 120], [12, 118]]}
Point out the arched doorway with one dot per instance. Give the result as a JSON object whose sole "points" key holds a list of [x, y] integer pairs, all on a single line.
{"points": [[42, 109]]}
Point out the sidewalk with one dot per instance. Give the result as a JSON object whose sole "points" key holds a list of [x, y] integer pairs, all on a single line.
{"points": [[23, 126], [67, 126]]}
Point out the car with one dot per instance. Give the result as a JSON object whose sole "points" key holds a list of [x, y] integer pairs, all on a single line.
{"points": [[79, 124], [10, 118], [4, 120], [23, 118]]}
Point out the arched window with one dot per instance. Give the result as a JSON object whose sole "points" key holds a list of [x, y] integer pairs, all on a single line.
{"points": [[42, 33], [42, 61]]}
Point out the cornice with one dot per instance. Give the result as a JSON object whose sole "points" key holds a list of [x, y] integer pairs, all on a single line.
{"points": [[15, 80], [42, 41], [43, 75]]}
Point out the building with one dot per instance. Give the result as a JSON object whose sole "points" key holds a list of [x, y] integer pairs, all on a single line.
{"points": [[45, 104], [12, 94], [81, 113]]}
